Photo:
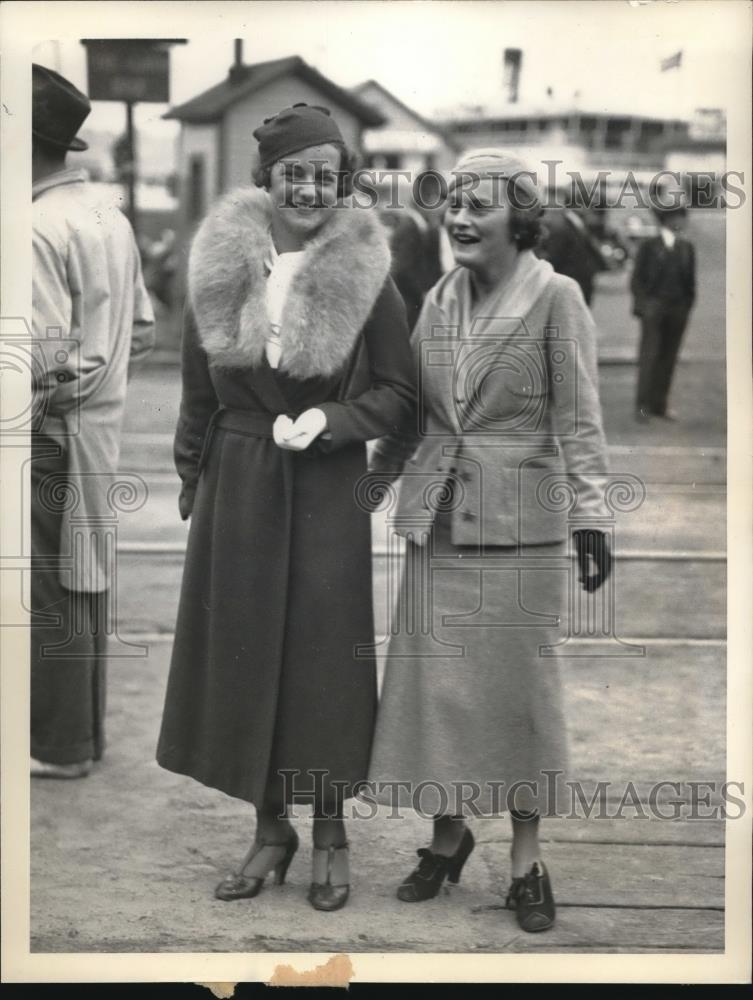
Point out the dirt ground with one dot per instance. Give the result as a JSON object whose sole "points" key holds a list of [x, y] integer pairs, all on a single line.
{"points": [[127, 860]]}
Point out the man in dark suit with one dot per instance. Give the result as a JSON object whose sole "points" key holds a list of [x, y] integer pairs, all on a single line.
{"points": [[571, 248], [663, 287]]}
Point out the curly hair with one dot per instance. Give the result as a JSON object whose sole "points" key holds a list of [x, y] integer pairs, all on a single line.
{"points": [[348, 162]]}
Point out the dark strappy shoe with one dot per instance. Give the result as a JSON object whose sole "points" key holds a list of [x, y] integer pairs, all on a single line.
{"points": [[425, 881], [330, 878], [531, 898], [241, 886]]}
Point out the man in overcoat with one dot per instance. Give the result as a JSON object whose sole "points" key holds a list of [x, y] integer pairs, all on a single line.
{"points": [[663, 287], [91, 321]]}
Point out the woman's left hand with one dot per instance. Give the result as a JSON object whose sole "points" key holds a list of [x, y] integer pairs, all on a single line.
{"points": [[593, 553], [297, 435]]}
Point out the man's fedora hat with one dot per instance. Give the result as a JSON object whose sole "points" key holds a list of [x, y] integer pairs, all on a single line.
{"points": [[58, 109]]}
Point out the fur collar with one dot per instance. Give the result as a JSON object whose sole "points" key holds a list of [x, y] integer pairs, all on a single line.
{"points": [[342, 272]]}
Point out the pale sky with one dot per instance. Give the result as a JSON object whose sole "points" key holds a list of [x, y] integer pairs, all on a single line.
{"points": [[437, 54]]}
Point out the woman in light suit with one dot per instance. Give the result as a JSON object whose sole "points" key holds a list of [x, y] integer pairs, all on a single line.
{"points": [[510, 417]]}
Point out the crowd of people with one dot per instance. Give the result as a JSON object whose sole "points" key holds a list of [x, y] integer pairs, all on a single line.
{"points": [[304, 339]]}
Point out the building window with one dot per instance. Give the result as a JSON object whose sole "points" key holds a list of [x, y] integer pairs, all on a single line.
{"points": [[587, 129], [384, 161], [196, 187], [651, 136], [617, 129]]}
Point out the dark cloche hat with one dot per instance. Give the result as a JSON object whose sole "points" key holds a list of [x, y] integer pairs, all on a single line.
{"points": [[58, 109], [295, 128]]}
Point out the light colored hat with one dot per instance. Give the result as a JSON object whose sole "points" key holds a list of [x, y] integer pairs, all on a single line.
{"points": [[492, 162]]}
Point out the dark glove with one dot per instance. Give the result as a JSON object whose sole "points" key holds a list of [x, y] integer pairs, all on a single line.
{"points": [[593, 543], [185, 501]]}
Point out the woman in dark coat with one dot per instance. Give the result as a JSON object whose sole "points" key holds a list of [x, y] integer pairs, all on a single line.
{"points": [[471, 720], [295, 353]]}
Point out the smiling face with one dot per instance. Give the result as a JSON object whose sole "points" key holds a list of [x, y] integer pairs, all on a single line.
{"points": [[303, 189], [478, 224]]}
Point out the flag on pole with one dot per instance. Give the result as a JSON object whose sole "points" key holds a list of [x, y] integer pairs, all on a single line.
{"points": [[672, 62]]}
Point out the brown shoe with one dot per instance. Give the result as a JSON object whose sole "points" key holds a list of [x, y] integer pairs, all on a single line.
{"points": [[45, 769], [531, 898]]}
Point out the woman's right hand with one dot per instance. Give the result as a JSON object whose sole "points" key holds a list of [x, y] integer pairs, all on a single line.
{"points": [[297, 435]]}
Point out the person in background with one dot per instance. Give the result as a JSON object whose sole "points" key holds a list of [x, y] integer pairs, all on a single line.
{"points": [[571, 247], [92, 321], [663, 286], [160, 265], [407, 249], [413, 240], [428, 191]]}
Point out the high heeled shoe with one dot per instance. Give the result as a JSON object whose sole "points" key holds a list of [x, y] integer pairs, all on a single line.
{"points": [[241, 886], [425, 881], [531, 897], [330, 878]]}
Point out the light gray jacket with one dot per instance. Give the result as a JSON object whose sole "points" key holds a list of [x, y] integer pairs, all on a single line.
{"points": [[509, 437]]}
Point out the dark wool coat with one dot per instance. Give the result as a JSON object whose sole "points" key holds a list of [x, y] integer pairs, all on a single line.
{"points": [[276, 596]]}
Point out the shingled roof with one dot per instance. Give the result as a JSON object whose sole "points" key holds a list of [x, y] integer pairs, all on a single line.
{"points": [[210, 105]]}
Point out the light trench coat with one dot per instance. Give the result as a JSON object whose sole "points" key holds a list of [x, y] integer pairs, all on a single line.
{"points": [[92, 320]]}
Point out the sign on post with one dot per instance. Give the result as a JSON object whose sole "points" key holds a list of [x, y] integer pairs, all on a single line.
{"points": [[129, 70]]}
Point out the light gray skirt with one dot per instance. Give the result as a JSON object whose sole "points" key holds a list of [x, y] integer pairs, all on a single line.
{"points": [[471, 719]]}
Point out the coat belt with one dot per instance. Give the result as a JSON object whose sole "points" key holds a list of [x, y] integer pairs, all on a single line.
{"points": [[250, 422]]}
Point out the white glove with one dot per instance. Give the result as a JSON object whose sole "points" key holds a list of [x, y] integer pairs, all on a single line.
{"points": [[298, 435]]}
